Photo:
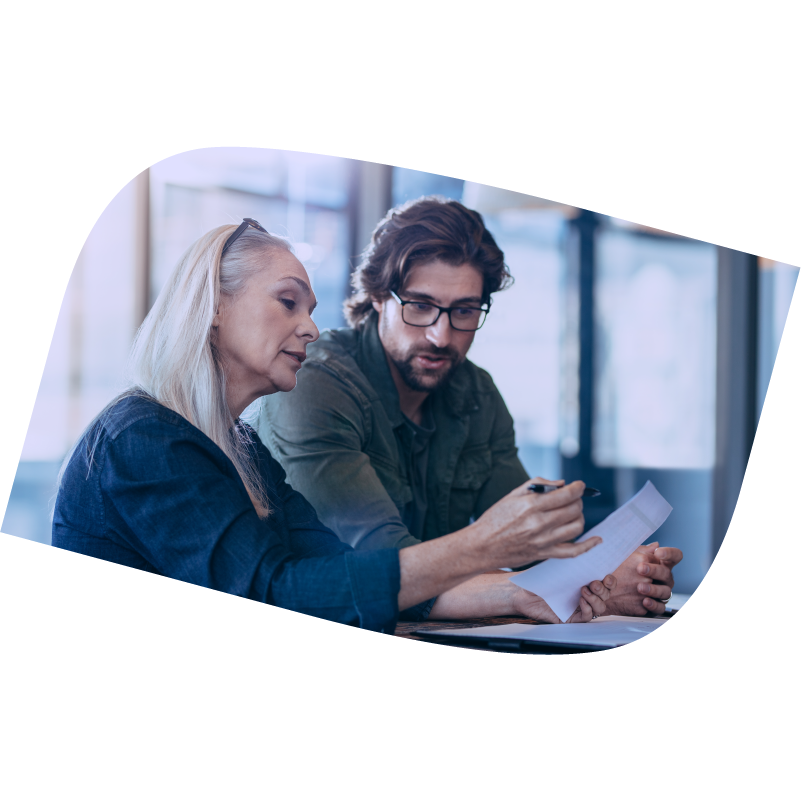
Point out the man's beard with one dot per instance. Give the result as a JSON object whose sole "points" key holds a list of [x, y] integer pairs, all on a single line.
{"points": [[426, 380]]}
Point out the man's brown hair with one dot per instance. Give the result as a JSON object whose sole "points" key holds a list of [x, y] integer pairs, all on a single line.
{"points": [[419, 231]]}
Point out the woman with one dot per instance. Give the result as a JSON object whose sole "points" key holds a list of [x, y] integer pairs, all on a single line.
{"points": [[167, 479]]}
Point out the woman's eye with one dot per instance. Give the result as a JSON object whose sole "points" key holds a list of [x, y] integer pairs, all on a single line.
{"points": [[288, 302]]}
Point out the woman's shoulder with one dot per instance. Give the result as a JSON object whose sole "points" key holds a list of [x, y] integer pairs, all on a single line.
{"points": [[139, 408], [133, 423]]}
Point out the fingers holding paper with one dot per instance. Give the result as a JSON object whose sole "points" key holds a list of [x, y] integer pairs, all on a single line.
{"points": [[592, 603], [559, 581]]}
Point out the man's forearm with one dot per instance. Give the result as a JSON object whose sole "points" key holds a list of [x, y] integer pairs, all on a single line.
{"points": [[521, 527]]}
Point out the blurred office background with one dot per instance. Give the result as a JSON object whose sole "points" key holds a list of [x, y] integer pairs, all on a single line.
{"points": [[624, 353]]}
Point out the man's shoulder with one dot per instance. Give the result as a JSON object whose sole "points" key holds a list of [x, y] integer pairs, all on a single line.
{"points": [[476, 381], [335, 354], [330, 378], [480, 377], [334, 345]]}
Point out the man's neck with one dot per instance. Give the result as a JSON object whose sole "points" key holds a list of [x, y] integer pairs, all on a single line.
{"points": [[411, 400]]}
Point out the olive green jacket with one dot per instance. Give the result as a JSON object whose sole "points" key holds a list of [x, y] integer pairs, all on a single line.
{"points": [[341, 438]]}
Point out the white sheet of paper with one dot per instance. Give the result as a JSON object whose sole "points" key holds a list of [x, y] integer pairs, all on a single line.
{"points": [[609, 632], [559, 581]]}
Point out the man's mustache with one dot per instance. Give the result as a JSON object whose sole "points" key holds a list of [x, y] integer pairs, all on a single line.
{"points": [[435, 353]]}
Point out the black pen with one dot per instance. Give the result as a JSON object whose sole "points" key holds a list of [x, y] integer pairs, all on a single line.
{"points": [[589, 492]]}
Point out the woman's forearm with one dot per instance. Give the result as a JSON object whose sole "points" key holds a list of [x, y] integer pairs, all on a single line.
{"points": [[434, 567], [487, 595]]}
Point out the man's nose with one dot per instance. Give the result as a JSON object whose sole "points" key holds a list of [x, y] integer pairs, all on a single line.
{"points": [[439, 334]]}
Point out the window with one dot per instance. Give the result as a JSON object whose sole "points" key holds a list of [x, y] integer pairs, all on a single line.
{"points": [[303, 197], [776, 286], [655, 314], [137, 240], [522, 342], [411, 184]]}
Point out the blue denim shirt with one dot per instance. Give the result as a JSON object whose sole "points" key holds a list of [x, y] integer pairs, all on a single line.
{"points": [[160, 496]]}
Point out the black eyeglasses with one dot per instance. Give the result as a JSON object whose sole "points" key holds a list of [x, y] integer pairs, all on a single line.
{"points": [[462, 318], [246, 223]]}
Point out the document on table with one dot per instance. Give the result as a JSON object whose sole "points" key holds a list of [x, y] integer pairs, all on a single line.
{"points": [[559, 581]]}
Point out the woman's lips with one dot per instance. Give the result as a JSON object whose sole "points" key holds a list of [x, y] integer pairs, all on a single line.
{"points": [[296, 356]]}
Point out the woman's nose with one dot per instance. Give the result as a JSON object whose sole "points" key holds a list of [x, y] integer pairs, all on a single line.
{"points": [[311, 330]]}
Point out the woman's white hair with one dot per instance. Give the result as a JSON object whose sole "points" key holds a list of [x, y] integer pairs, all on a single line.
{"points": [[174, 360]]}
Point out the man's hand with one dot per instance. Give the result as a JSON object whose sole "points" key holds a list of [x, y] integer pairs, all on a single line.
{"points": [[644, 581], [591, 604], [524, 527]]}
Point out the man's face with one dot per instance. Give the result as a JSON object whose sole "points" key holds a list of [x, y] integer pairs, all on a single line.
{"points": [[426, 357]]}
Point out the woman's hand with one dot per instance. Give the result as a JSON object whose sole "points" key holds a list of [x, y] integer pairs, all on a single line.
{"points": [[526, 527], [591, 604]]}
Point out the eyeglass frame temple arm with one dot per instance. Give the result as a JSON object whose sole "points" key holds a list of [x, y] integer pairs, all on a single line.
{"points": [[246, 222]]}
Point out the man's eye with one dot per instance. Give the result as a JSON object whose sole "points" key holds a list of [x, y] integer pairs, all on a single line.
{"points": [[466, 312], [422, 307], [288, 302]]}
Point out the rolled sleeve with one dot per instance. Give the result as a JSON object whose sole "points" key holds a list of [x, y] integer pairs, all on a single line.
{"points": [[375, 583], [358, 588]]}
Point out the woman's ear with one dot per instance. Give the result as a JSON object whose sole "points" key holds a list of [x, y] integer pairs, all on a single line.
{"points": [[216, 320]]}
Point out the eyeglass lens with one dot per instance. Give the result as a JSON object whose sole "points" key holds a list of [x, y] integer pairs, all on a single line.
{"points": [[462, 319]]}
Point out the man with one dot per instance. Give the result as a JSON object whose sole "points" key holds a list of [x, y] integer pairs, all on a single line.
{"points": [[392, 434]]}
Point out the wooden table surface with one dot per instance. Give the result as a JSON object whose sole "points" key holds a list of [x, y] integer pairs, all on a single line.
{"points": [[408, 630]]}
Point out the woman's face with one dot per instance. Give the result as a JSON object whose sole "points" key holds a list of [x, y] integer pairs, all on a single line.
{"points": [[261, 334]]}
